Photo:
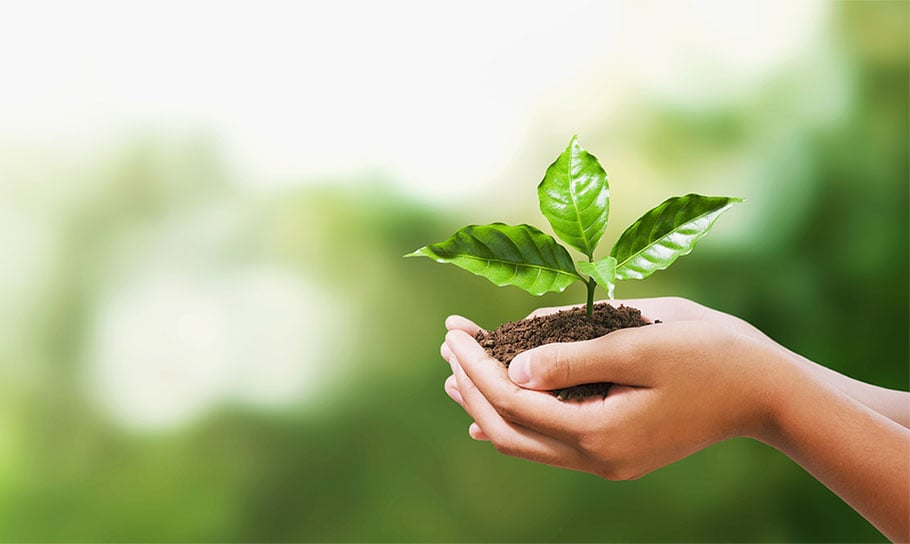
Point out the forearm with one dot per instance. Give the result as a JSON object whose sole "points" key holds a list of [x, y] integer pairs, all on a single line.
{"points": [[895, 405], [861, 455]]}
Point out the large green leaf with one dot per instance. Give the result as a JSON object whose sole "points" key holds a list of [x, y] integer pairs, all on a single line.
{"points": [[575, 198], [666, 233], [507, 255], [603, 271]]}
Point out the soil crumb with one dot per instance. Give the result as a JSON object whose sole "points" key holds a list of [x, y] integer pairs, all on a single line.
{"points": [[513, 337]]}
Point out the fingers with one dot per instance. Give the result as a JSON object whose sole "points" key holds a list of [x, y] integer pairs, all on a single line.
{"points": [[670, 309], [508, 437], [457, 322], [476, 432], [451, 387], [618, 357], [446, 354], [533, 409], [614, 358], [664, 308]]}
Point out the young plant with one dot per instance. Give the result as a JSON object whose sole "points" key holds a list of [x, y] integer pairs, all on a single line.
{"points": [[575, 198]]}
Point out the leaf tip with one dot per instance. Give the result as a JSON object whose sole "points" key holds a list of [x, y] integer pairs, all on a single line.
{"points": [[731, 201], [573, 143], [417, 253]]}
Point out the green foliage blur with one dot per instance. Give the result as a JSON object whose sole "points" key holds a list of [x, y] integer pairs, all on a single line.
{"points": [[818, 259]]}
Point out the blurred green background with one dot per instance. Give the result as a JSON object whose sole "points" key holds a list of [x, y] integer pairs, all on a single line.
{"points": [[206, 339]]}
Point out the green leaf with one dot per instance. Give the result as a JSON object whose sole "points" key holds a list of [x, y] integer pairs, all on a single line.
{"points": [[666, 233], [575, 198], [522, 256], [603, 271]]}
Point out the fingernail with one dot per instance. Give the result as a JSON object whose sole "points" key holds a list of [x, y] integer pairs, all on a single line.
{"points": [[474, 431], [520, 370], [456, 396]]}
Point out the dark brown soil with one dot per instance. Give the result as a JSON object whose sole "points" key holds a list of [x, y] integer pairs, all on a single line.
{"points": [[511, 338]]}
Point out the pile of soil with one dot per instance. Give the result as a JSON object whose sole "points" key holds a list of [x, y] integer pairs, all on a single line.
{"points": [[513, 337]]}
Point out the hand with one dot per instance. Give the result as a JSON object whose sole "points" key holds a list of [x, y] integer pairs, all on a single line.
{"points": [[887, 402], [697, 378]]}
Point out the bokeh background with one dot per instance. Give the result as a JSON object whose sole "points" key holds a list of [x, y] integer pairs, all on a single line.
{"points": [[207, 331]]}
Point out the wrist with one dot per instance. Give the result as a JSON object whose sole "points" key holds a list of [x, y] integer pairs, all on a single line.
{"points": [[783, 391]]}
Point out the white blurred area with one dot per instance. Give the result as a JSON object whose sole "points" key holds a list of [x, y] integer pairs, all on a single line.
{"points": [[177, 331], [445, 100], [443, 97], [170, 346]]}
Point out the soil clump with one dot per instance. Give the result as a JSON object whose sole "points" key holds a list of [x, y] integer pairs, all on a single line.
{"points": [[513, 337]]}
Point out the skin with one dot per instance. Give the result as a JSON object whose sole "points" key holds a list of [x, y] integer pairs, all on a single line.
{"points": [[696, 379]]}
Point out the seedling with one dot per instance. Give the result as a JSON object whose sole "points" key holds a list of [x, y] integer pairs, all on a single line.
{"points": [[575, 198]]}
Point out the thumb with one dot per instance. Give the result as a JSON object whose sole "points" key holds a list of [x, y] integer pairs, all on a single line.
{"points": [[618, 357]]}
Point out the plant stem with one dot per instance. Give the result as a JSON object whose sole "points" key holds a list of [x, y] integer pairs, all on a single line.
{"points": [[590, 307]]}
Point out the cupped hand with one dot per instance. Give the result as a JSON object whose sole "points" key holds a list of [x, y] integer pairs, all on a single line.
{"points": [[698, 377]]}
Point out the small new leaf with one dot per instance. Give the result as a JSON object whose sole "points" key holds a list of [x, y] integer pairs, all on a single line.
{"points": [[575, 198], [520, 255], [665, 233], [603, 271]]}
